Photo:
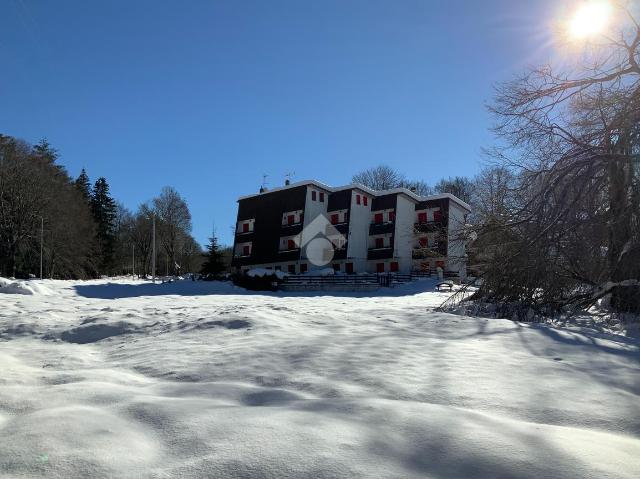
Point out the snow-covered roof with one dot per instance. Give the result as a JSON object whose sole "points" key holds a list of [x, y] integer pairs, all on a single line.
{"points": [[365, 189]]}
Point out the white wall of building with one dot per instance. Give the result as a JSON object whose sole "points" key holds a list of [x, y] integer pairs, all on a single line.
{"points": [[359, 231], [312, 209], [456, 251], [404, 235]]}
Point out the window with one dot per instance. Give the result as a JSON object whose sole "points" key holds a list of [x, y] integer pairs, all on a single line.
{"points": [[378, 218], [348, 267], [336, 266], [322, 196], [379, 242], [245, 227], [422, 217], [246, 250], [379, 267], [365, 200], [313, 195], [392, 216], [291, 244], [334, 219], [437, 215], [291, 219], [357, 199], [423, 242], [278, 268], [394, 267], [303, 267], [291, 268], [440, 264]]}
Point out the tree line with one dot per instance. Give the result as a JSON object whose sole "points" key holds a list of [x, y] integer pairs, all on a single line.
{"points": [[81, 230]]}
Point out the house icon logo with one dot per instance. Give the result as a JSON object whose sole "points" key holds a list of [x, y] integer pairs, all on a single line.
{"points": [[318, 240]]}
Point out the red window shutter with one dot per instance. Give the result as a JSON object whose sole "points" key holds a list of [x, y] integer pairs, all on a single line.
{"points": [[379, 242], [245, 227], [380, 267], [322, 196], [348, 267], [394, 266], [303, 267], [392, 216], [334, 219], [366, 200], [246, 250], [378, 218], [424, 242], [437, 215], [357, 199], [291, 244], [313, 195], [422, 217], [291, 219]]}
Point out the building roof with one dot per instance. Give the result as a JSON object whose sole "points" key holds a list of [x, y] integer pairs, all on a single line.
{"points": [[364, 189]]}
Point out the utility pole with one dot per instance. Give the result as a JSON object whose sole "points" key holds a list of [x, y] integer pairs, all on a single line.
{"points": [[167, 265], [41, 242], [153, 256], [133, 261]]}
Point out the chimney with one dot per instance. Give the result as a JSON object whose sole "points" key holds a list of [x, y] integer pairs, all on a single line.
{"points": [[287, 182], [413, 189], [262, 189]]}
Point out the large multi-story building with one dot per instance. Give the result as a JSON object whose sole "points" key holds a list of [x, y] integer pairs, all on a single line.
{"points": [[308, 225]]}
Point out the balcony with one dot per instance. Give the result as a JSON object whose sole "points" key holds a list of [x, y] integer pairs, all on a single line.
{"points": [[381, 228], [380, 253], [428, 226], [290, 229]]}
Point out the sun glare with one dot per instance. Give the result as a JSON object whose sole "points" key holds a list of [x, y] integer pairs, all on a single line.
{"points": [[590, 19]]}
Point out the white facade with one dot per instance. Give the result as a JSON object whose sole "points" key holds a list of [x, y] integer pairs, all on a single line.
{"points": [[371, 231]]}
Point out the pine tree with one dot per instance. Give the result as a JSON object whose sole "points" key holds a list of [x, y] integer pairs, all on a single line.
{"points": [[103, 208], [45, 151], [214, 263], [83, 185]]}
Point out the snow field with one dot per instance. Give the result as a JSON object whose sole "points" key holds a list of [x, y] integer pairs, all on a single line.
{"points": [[187, 379]]}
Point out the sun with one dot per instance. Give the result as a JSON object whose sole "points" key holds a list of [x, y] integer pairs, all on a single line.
{"points": [[590, 19]]}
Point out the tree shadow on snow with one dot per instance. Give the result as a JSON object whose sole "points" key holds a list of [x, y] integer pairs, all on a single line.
{"points": [[205, 288]]}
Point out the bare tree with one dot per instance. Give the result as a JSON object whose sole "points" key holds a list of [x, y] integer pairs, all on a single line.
{"points": [[174, 222], [569, 137], [379, 178]]}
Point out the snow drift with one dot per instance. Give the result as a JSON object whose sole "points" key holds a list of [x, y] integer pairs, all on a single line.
{"points": [[208, 380]]}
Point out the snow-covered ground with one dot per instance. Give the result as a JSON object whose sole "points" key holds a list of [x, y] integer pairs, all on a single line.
{"points": [[188, 379]]}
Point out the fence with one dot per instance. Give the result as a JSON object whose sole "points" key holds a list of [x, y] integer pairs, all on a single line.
{"points": [[382, 279]]}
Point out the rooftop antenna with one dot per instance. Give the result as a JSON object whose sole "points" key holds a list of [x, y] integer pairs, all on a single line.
{"points": [[263, 186], [288, 176]]}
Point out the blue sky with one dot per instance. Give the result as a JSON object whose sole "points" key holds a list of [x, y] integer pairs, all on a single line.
{"points": [[208, 96]]}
